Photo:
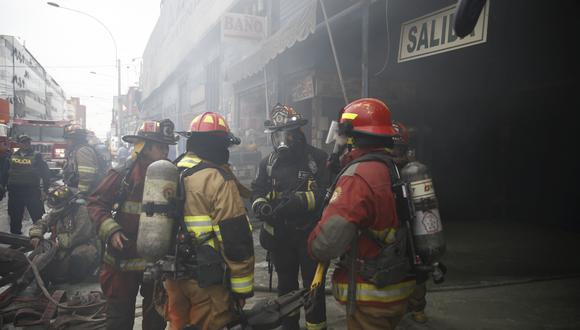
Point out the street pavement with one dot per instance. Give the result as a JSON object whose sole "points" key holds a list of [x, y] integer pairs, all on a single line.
{"points": [[501, 275]]}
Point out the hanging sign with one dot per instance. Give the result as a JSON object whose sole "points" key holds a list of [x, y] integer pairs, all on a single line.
{"points": [[433, 34]]}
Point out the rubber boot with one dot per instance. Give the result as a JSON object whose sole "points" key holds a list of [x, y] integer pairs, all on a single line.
{"points": [[419, 317]]}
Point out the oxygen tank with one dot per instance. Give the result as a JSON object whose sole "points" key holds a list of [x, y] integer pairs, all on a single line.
{"points": [[426, 226], [155, 225]]}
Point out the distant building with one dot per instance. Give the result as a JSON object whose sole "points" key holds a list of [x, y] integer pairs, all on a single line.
{"points": [[31, 92], [76, 111]]}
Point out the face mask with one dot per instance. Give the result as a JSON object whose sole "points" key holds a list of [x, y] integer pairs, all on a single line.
{"points": [[281, 141]]}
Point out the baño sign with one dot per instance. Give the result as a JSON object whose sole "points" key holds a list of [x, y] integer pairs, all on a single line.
{"points": [[433, 34], [243, 26]]}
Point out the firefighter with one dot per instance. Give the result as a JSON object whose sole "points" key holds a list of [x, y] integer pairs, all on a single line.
{"points": [[71, 229], [288, 193], [24, 171], [114, 208], [360, 223], [402, 155], [82, 166], [218, 229]]}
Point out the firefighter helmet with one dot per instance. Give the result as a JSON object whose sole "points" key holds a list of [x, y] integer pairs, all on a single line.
{"points": [[59, 197], [23, 138], [211, 123], [368, 116], [154, 131], [402, 137], [284, 117], [75, 131]]}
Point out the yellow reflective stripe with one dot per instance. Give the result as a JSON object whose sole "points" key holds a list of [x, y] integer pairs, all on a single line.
{"points": [[385, 235], [259, 200], [136, 264], [349, 115], [216, 230], [130, 207], [106, 227], [132, 264], [198, 224], [35, 232], [83, 187], [366, 292], [316, 326], [201, 225], [310, 201], [189, 161], [87, 169], [243, 284]]}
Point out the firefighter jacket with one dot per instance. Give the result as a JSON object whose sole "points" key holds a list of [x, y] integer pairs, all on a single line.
{"points": [[300, 181], [126, 199], [213, 206], [25, 169], [70, 228], [81, 168], [362, 200]]}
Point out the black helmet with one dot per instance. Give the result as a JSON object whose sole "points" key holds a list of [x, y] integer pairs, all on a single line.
{"points": [[155, 131], [76, 132], [23, 138], [58, 198], [284, 118]]}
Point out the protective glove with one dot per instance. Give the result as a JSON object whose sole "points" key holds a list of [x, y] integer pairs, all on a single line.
{"points": [[295, 203]]}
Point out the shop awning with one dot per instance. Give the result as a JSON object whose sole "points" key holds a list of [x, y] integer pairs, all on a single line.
{"points": [[298, 29]]}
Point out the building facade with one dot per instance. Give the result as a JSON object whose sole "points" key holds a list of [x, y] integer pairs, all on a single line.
{"points": [[488, 111], [25, 84]]}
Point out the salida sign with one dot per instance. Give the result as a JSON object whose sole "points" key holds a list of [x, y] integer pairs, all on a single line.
{"points": [[433, 34], [244, 26]]}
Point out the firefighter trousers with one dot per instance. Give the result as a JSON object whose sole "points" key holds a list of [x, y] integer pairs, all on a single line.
{"points": [[120, 289], [20, 198], [291, 257], [417, 301], [376, 318], [188, 304]]}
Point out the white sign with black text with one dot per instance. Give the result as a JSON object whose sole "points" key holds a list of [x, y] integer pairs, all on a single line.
{"points": [[433, 34], [243, 26]]}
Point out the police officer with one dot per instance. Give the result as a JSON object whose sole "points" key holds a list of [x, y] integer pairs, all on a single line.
{"points": [[71, 229], [82, 166], [287, 195], [25, 170], [360, 223], [217, 224], [114, 208]]}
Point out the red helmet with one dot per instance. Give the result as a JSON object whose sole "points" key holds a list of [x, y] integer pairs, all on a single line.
{"points": [[211, 122], [402, 137], [368, 116]]}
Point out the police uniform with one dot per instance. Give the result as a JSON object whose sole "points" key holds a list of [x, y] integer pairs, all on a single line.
{"points": [[26, 169], [294, 186]]}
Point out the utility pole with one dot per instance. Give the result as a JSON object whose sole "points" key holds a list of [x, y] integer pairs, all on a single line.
{"points": [[118, 125], [365, 49]]}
